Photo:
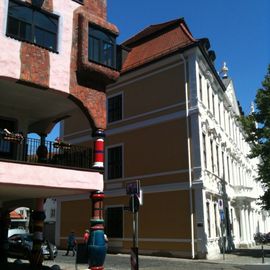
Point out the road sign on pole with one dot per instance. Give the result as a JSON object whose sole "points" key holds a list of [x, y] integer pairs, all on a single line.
{"points": [[133, 188]]}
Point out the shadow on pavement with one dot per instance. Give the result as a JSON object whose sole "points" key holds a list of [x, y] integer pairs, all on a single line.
{"points": [[22, 266], [256, 253]]}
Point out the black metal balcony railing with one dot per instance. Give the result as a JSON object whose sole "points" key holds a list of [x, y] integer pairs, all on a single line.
{"points": [[57, 154]]}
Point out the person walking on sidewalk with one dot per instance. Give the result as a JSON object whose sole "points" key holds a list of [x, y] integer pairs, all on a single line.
{"points": [[86, 236], [71, 243]]}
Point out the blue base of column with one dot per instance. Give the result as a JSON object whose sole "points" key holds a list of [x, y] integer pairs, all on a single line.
{"points": [[97, 248]]}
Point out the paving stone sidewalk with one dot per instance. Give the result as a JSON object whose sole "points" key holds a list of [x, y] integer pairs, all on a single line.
{"points": [[239, 259]]}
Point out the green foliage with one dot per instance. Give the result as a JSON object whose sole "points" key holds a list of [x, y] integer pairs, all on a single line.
{"points": [[257, 127]]}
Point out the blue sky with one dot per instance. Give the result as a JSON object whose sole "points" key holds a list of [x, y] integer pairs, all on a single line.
{"points": [[238, 30]]}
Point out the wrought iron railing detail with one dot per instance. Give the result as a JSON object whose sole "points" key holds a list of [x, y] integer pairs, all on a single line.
{"points": [[57, 155]]}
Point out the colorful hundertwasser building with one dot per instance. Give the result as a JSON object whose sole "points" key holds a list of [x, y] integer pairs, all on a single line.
{"points": [[56, 59]]}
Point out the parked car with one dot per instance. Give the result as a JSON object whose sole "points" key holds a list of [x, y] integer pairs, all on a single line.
{"points": [[20, 246], [16, 231]]}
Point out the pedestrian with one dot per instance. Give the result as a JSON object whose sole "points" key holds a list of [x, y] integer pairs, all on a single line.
{"points": [[71, 243], [86, 236]]}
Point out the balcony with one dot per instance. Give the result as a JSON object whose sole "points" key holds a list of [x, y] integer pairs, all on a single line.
{"points": [[55, 154]]}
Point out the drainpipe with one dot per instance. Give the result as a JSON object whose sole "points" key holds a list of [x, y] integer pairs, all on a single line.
{"points": [[189, 160]]}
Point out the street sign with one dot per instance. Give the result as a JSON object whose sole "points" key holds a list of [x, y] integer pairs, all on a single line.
{"points": [[133, 188]]}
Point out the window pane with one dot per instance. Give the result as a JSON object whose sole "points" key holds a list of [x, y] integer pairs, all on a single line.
{"points": [[98, 34], [20, 12], [115, 162], [115, 108], [13, 27], [19, 29], [46, 22], [93, 48], [45, 39], [107, 51], [22, 20], [101, 47], [114, 222]]}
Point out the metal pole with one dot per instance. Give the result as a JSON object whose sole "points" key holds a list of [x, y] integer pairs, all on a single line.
{"points": [[137, 229], [223, 240], [262, 254], [133, 221]]}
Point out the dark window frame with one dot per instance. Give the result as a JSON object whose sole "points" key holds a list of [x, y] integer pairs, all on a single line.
{"points": [[204, 151], [115, 162], [212, 155], [213, 105], [33, 26], [218, 165], [102, 55], [115, 108], [208, 219], [79, 1], [200, 87], [114, 223]]}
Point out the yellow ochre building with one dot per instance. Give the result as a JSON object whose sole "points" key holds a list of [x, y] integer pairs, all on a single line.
{"points": [[172, 124]]}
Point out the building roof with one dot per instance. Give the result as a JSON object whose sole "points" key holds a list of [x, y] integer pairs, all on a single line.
{"points": [[156, 41], [15, 215]]}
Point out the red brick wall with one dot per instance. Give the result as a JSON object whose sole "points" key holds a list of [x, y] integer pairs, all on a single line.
{"points": [[35, 65], [35, 61], [96, 7], [88, 80]]}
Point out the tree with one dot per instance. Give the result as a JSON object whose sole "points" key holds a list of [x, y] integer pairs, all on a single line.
{"points": [[257, 127]]}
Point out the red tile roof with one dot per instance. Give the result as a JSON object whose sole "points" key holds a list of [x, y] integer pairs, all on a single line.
{"points": [[156, 41], [15, 215]]}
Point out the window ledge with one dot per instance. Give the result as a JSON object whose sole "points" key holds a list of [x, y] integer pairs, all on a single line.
{"points": [[79, 2], [31, 43], [90, 71]]}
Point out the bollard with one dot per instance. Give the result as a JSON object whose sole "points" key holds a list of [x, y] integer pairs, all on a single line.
{"points": [[262, 254]]}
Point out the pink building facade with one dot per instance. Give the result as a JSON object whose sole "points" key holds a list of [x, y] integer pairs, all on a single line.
{"points": [[56, 59]]}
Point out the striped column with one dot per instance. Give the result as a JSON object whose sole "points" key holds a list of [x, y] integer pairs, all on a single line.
{"points": [[97, 247], [99, 149], [38, 217]]}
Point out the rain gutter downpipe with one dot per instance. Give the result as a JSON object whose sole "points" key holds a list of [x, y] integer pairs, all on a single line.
{"points": [[189, 159]]}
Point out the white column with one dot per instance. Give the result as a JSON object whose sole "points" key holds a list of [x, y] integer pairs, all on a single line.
{"points": [[200, 221], [247, 226], [252, 224], [242, 224]]}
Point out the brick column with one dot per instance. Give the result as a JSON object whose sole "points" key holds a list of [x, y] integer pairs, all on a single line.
{"points": [[97, 248], [36, 258]]}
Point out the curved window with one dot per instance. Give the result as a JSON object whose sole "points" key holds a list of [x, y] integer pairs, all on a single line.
{"points": [[101, 47], [28, 24]]}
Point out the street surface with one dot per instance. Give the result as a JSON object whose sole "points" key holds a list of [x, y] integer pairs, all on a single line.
{"points": [[246, 260]]}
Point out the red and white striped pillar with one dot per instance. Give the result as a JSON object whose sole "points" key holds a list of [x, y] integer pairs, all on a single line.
{"points": [[99, 149]]}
